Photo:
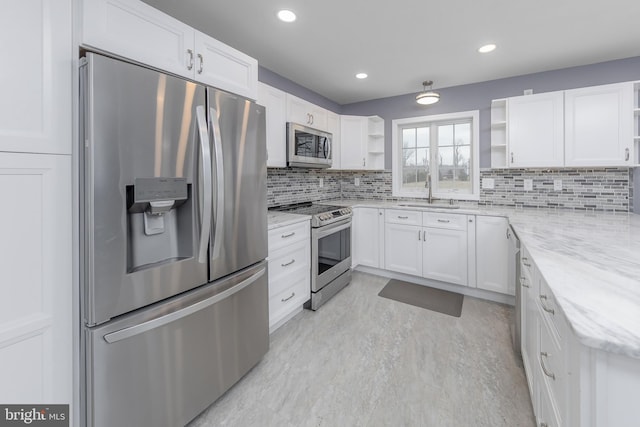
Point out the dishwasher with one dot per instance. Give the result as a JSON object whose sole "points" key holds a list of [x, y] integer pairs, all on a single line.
{"points": [[514, 281]]}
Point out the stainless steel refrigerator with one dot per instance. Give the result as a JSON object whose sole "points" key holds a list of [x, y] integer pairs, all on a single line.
{"points": [[174, 299]]}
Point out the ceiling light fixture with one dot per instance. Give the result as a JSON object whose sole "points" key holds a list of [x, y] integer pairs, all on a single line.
{"points": [[427, 97], [362, 76], [286, 15], [487, 48]]}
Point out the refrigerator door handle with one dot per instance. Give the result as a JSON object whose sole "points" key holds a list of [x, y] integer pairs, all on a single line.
{"points": [[179, 314], [205, 153], [219, 206]]}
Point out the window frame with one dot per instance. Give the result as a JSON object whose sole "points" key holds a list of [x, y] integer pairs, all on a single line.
{"points": [[396, 154]]}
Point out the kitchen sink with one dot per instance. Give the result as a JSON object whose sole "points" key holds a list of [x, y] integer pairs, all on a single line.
{"points": [[428, 206]]}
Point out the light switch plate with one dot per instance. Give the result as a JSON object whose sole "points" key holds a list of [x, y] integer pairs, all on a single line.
{"points": [[528, 185], [321, 182], [528, 91], [356, 181], [488, 183], [557, 185]]}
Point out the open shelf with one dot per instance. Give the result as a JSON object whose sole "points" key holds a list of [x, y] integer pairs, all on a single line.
{"points": [[498, 133]]}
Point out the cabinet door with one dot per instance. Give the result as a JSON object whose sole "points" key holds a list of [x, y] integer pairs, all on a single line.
{"points": [[366, 239], [35, 106], [353, 132], [599, 125], [333, 126], [36, 269], [535, 130], [306, 113], [137, 31], [224, 67], [403, 248], [275, 103], [529, 335], [444, 255], [492, 254]]}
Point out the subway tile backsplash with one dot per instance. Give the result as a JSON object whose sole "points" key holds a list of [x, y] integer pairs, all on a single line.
{"points": [[598, 189]]}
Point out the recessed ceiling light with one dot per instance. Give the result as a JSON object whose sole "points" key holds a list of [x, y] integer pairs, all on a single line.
{"points": [[362, 76], [286, 15], [487, 48]]}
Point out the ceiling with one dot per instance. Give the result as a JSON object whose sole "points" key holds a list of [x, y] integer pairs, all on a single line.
{"points": [[400, 43]]}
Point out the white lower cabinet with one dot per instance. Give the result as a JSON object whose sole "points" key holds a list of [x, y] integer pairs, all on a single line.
{"points": [[492, 254], [430, 245], [368, 237], [570, 383], [289, 271]]}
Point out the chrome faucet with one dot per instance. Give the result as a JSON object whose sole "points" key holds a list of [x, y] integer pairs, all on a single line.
{"points": [[428, 185]]}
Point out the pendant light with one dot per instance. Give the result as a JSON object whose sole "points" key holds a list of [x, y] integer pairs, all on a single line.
{"points": [[427, 97]]}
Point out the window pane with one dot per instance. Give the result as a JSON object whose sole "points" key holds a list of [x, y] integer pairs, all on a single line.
{"points": [[445, 135], [463, 133], [408, 138], [409, 157], [422, 137]]}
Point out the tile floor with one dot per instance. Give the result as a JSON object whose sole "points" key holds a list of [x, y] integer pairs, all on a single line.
{"points": [[364, 360]]}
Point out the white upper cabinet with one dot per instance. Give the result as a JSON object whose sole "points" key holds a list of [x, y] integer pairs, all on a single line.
{"points": [[134, 30], [333, 126], [305, 113], [599, 125], [535, 130], [275, 103], [353, 131], [35, 106], [224, 67]]}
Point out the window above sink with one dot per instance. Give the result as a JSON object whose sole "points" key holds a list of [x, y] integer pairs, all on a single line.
{"points": [[441, 150]]}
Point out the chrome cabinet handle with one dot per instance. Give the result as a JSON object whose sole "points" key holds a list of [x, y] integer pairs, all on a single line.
{"points": [[524, 261], [544, 368], [293, 294], [424, 235], [308, 118], [201, 63], [363, 162], [444, 220], [311, 118], [626, 154], [418, 234], [512, 157], [190, 53], [403, 217], [523, 282], [548, 310], [284, 236], [286, 264]]}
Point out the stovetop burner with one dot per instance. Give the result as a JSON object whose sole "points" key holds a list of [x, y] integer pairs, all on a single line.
{"points": [[321, 214]]}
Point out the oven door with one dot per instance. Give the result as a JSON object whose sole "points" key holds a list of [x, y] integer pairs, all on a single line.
{"points": [[330, 253]]}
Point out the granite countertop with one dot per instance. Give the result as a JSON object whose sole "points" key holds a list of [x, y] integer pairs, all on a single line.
{"points": [[277, 219], [591, 262]]}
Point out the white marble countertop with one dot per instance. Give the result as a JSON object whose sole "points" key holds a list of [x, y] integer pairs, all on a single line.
{"points": [[591, 262], [277, 219]]}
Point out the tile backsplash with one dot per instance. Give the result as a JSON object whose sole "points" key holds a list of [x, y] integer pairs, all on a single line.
{"points": [[600, 189]]}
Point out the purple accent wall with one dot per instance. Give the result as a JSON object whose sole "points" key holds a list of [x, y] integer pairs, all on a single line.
{"points": [[276, 80], [475, 96]]}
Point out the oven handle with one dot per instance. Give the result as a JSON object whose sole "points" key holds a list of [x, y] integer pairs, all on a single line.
{"points": [[331, 228]]}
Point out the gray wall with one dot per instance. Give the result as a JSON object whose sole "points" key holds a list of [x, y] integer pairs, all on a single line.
{"points": [[276, 80], [478, 96]]}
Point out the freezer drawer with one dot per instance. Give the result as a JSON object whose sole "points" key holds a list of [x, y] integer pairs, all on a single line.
{"points": [[164, 365]]}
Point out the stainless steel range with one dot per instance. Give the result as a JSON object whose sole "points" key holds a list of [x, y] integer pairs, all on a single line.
{"points": [[330, 249]]}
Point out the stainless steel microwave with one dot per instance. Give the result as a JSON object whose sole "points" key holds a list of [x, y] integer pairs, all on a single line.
{"points": [[308, 147]]}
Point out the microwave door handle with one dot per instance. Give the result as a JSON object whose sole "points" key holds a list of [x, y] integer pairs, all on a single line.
{"points": [[219, 205], [325, 152], [205, 156], [328, 142]]}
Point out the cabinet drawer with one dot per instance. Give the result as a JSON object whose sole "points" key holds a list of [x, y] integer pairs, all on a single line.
{"points": [[552, 371], [444, 220], [287, 235], [289, 299], [398, 216], [288, 259], [549, 309]]}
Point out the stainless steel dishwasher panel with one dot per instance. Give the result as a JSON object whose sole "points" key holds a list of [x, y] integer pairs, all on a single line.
{"points": [[514, 280], [163, 365]]}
